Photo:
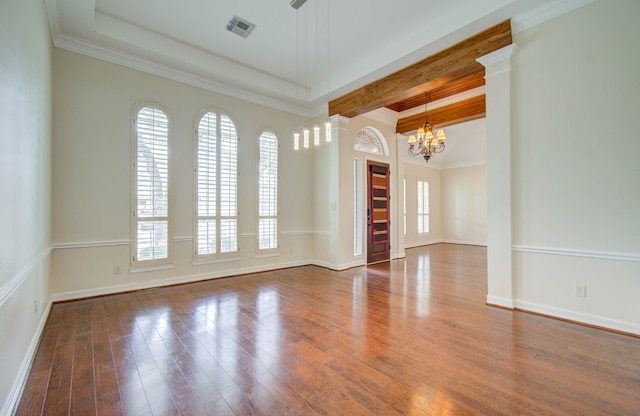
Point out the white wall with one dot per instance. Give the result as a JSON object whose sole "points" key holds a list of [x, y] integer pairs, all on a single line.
{"points": [[458, 185], [576, 176], [419, 171], [458, 204], [466, 145], [25, 187], [93, 105], [325, 174], [334, 242], [464, 205]]}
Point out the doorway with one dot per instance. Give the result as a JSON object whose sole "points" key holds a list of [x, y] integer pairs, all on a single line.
{"points": [[378, 212]]}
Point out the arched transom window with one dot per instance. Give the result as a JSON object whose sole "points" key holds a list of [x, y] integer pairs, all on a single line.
{"points": [[369, 141]]}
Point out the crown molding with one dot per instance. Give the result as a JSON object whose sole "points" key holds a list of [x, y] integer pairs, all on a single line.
{"points": [[545, 13], [73, 44], [54, 18], [121, 31]]}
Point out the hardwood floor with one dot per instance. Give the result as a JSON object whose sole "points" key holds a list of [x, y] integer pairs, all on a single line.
{"points": [[409, 337]]}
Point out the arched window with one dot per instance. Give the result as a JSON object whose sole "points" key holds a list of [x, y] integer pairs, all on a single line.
{"points": [[268, 192], [216, 214], [151, 231], [370, 141]]}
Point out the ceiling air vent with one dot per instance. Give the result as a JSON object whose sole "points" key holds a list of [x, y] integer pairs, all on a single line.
{"points": [[240, 26], [296, 4]]}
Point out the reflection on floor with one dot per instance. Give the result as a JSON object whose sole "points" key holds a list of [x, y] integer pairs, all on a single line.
{"points": [[406, 337]]}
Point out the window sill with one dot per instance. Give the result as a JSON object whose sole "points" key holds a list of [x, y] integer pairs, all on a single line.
{"points": [[266, 256], [150, 268], [214, 261]]}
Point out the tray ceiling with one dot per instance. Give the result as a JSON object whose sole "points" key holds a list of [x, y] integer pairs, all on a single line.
{"points": [[295, 60]]}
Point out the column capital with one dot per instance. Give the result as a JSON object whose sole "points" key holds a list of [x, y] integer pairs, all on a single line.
{"points": [[341, 120], [498, 56]]}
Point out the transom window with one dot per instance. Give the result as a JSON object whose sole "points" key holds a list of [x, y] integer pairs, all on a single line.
{"points": [[369, 141], [216, 214]]}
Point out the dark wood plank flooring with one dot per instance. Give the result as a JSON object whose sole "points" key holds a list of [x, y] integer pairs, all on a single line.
{"points": [[409, 337]]}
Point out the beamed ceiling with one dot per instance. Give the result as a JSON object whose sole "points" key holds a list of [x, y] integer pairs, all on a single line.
{"points": [[329, 56], [445, 74]]}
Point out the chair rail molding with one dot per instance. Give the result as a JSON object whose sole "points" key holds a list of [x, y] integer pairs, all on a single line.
{"points": [[578, 253], [8, 289]]}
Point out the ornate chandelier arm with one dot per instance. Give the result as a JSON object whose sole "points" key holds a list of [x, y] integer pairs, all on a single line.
{"points": [[413, 151]]}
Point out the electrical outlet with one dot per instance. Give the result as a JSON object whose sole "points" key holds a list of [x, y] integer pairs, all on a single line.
{"points": [[35, 305], [116, 269], [581, 291]]}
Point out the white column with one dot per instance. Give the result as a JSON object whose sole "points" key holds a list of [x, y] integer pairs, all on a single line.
{"points": [[397, 244], [339, 240], [499, 226]]}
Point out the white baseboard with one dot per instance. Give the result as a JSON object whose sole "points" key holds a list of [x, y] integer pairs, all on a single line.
{"points": [[579, 317], [431, 242], [500, 302], [398, 255], [466, 243], [572, 316], [110, 290], [422, 243], [25, 366], [337, 267], [80, 294]]}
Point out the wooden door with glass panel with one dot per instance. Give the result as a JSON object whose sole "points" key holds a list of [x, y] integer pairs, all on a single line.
{"points": [[378, 210]]}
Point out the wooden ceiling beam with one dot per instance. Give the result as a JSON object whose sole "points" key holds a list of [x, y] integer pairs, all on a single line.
{"points": [[450, 88], [449, 65], [466, 110]]}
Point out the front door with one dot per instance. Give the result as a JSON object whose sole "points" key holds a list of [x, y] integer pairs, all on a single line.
{"points": [[378, 210]]}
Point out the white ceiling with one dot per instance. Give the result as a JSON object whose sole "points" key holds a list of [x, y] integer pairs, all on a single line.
{"points": [[293, 60]]}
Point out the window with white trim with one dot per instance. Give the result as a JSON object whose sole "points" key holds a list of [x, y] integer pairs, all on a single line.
{"points": [[268, 191], [423, 207], [404, 205], [216, 213], [151, 228], [357, 207]]}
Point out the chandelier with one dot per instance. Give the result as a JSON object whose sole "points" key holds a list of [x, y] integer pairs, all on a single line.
{"points": [[426, 142], [296, 4], [316, 135]]}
